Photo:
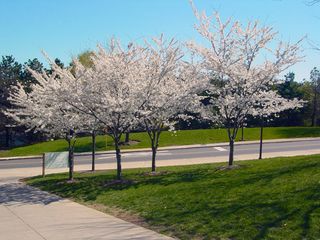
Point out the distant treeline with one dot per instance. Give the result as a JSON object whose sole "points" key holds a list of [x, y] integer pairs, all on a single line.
{"points": [[305, 89], [11, 74]]}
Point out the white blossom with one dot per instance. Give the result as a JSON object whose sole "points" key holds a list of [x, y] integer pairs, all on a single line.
{"points": [[243, 67], [170, 88]]}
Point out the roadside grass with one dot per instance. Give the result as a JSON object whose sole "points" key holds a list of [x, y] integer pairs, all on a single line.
{"points": [[184, 137], [276, 198]]}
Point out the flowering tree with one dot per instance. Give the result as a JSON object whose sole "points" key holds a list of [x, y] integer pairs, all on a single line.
{"points": [[127, 87], [170, 88], [270, 104], [235, 56], [70, 90], [110, 90], [44, 109]]}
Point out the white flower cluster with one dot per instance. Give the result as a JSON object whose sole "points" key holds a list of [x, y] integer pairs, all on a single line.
{"points": [[244, 68]]}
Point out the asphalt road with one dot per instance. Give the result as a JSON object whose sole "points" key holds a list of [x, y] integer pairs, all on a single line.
{"points": [[180, 154]]}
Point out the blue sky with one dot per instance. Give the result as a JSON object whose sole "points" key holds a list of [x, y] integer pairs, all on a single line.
{"points": [[64, 28]]}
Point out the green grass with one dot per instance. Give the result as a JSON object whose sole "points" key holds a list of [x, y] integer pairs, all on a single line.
{"points": [[184, 137], [265, 199]]}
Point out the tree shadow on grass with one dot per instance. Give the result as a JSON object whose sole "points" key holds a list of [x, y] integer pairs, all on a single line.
{"points": [[273, 223], [247, 214], [89, 187], [217, 178], [268, 176]]}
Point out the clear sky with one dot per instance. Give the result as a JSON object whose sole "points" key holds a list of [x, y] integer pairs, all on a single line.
{"points": [[64, 28]]}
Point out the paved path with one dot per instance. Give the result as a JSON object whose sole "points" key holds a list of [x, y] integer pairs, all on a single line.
{"points": [[30, 214]]}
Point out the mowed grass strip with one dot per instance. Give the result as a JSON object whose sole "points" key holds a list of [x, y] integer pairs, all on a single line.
{"points": [[184, 137], [275, 198]]}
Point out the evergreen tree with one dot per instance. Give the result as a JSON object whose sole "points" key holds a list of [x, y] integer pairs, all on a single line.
{"points": [[10, 73], [26, 76]]}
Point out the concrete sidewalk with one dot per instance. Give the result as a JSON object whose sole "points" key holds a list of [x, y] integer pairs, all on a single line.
{"points": [[30, 214]]}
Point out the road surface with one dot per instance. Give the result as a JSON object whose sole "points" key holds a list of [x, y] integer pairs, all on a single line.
{"points": [[183, 155]]}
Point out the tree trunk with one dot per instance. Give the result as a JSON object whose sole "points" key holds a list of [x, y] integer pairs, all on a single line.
{"points": [[93, 150], [154, 153], [118, 156], [127, 138], [261, 139], [231, 152], [314, 111], [154, 137], [71, 163], [242, 133], [7, 137]]}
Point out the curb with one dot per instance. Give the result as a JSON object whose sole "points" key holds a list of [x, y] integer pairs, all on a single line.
{"points": [[174, 147]]}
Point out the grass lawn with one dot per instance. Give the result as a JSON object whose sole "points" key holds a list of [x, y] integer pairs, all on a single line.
{"points": [[184, 137], [275, 198]]}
